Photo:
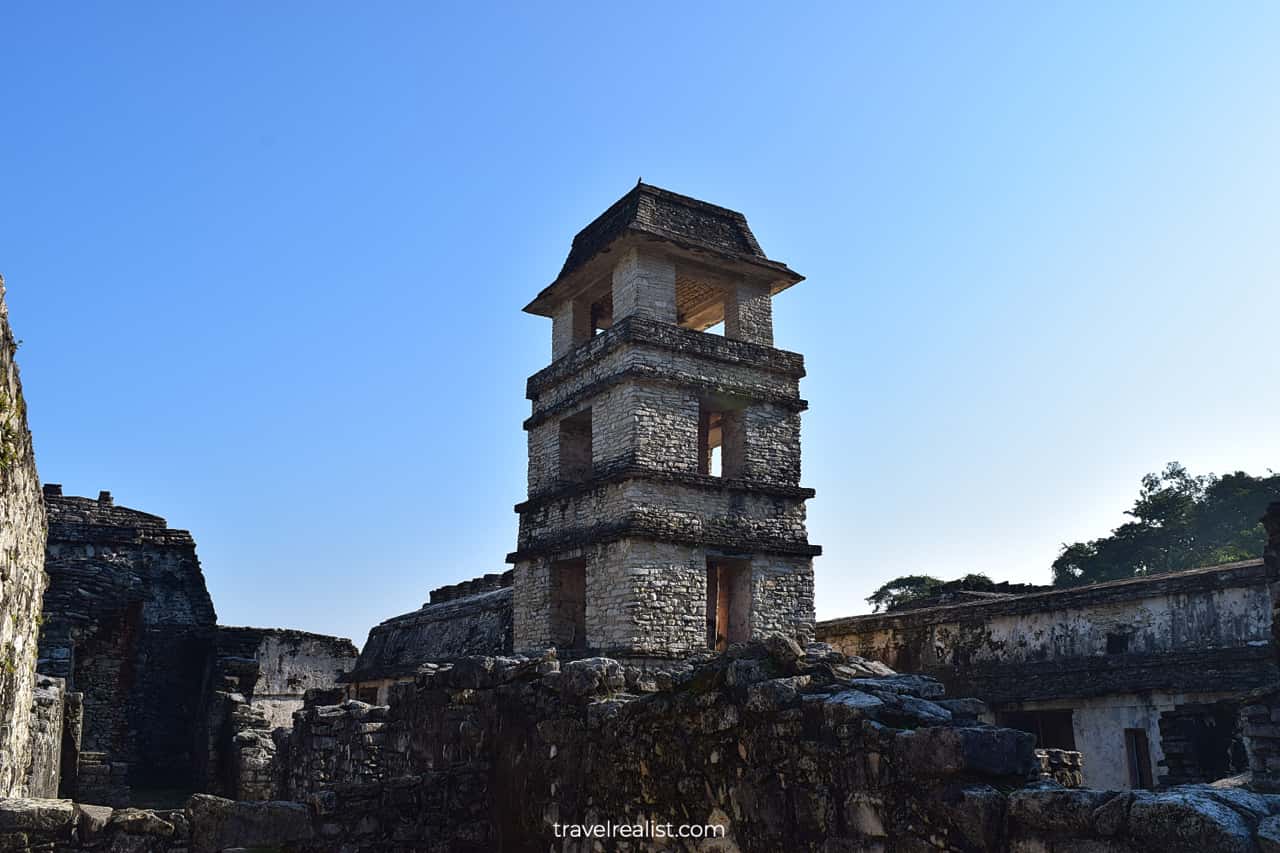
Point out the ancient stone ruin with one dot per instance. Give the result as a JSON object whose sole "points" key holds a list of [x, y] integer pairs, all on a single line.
{"points": [[665, 513], [645, 677], [1145, 676], [22, 578]]}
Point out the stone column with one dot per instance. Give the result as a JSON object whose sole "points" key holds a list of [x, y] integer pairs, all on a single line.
{"points": [[748, 313], [570, 326], [644, 285]]}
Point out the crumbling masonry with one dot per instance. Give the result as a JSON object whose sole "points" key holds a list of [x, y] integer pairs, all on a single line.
{"points": [[22, 578]]}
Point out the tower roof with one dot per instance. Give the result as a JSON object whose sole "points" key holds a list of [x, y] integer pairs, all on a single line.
{"points": [[652, 213]]}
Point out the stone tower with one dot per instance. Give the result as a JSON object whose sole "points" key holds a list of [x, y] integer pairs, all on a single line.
{"points": [[665, 513]]}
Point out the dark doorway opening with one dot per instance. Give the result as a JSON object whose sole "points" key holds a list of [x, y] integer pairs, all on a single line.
{"points": [[728, 602], [569, 604]]}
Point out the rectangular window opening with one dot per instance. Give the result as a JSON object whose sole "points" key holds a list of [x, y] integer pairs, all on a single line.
{"points": [[569, 604], [1117, 643], [1139, 758], [575, 448], [728, 602], [720, 441], [601, 313]]}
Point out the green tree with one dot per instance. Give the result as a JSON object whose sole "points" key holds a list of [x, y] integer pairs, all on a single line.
{"points": [[1180, 521], [904, 590], [901, 590]]}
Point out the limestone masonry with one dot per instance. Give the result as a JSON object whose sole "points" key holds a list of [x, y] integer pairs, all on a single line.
{"points": [[22, 578], [1145, 676], [665, 513]]}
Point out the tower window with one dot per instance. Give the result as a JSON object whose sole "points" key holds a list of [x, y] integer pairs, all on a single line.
{"points": [[720, 441], [569, 604], [575, 448]]}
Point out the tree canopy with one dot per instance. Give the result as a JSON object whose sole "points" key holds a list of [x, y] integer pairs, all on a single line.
{"points": [[1180, 521]]}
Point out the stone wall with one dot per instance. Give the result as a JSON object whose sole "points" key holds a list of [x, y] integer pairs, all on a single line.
{"points": [[470, 618], [47, 726], [621, 573], [22, 577], [1201, 742], [285, 665], [782, 749], [1118, 658], [129, 623]]}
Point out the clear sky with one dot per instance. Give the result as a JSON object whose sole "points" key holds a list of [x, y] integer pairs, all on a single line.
{"points": [[268, 261]]}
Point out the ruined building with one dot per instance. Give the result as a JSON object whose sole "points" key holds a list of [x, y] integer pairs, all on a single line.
{"points": [[468, 618], [22, 578], [665, 513], [1144, 676], [129, 625]]}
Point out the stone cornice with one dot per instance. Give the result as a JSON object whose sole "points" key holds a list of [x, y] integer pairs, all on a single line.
{"points": [[1233, 670], [643, 527], [665, 336], [630, 471], [642, 373]]}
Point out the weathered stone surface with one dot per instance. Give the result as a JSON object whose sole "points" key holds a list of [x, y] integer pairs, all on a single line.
{"points": [[1269, 835], [22, 536], [626, 512], [217, 824], [37, 815], [1187, 822]]}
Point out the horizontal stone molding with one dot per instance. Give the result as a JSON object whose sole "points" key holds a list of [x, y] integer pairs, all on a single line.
{"points": [[731, 541], [1195, 671], [640, 373], [642, 330], [631, 471]]}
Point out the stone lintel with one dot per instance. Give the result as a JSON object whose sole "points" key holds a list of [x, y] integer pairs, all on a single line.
{"points": [[643, 528]]}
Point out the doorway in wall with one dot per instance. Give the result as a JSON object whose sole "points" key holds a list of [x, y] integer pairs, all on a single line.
{"points": [[728, 602], [569, 604]]}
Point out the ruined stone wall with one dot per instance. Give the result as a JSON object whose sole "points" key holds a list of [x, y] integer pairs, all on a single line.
{"points": [[288, 664], [22, 577], [1201, 741], [785, 751], [129, 623], [450, 627], [1201, 630]]}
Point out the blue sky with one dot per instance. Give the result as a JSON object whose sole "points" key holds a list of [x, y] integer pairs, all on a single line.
{"points": [[267, 263]]}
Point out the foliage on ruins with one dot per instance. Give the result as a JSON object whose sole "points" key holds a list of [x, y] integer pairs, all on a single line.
{"points": [[1180, 521], [912, 589]]}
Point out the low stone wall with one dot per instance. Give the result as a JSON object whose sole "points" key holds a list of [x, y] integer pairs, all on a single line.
{"points": [[207, 824], [784, 750], [775, 748]]}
